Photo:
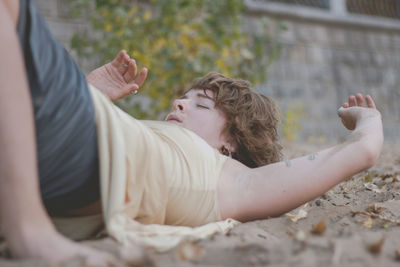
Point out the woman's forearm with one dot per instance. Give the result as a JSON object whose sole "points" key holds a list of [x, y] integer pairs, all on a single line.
{"points": [[278, 188]]}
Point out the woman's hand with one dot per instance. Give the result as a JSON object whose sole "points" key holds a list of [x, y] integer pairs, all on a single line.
{"points": [[357, 111], [361, 115], [118, 78]]}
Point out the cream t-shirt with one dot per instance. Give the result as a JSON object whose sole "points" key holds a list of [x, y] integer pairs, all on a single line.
{"points": [[158, 180]]}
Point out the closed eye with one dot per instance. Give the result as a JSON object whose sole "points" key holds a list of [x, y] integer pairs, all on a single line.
{"points": [[201, 106]]}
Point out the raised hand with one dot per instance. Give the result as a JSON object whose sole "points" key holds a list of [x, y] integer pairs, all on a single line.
{"points": [[118, 78], [356, 110]]}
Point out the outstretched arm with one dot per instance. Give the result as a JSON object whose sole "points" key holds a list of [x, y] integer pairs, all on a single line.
{"points": [[118, 78], [278, 188]]}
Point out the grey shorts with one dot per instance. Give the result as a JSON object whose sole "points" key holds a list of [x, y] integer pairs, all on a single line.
{"points": [[64, 117]]}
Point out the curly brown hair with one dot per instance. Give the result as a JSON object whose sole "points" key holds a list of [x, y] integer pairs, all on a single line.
{"points": [[251, 119]]}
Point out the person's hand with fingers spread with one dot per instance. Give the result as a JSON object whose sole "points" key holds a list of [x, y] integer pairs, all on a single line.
{"points": [[361, 115], [118, 78], [356, 109]]}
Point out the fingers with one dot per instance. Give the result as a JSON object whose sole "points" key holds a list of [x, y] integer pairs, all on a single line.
{"points": [[117, 61], [121, 61], [352, 101], [131, 71], [138, 81], [128, 69], [132, 89], [141, 77], [370, 102], [358, 100], [134, 86]]}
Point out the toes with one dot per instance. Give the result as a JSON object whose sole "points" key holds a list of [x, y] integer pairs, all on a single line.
{"points": [[352, 101], [370, 102], [345, 105], [360, 100]]}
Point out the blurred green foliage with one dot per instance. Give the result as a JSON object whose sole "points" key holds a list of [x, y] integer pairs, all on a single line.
{"points": [[291, 123], [178, 41]]}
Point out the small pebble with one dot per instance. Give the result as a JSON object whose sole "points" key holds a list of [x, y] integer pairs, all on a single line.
{"points": [[378, 181], [389, 180]]}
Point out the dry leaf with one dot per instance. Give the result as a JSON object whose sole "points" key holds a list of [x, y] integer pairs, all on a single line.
{"points": [[387, 225], [373, 187], [375, 209], [386, 175], [300, 215], [367, 222], [319, 228], [373, 215], [189, 251], [367, 178], [376, 248]]}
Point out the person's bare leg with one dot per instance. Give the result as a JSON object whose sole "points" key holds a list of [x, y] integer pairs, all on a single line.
{"points": [[23, 220], [12, 9]]}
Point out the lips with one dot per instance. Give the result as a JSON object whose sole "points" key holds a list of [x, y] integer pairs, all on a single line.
{"points": [[172, 118]]}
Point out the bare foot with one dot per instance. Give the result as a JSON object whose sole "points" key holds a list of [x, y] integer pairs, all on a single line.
{"points": [[52, 247], [118, 78]]}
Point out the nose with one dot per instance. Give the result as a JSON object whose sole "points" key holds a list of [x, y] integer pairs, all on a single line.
{"points": [[179, 105]]}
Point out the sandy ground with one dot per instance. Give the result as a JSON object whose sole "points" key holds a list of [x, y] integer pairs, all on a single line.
{"points": [[357, 223]]}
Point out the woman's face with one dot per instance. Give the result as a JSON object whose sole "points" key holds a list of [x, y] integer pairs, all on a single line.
{"points": [[196, 111]]}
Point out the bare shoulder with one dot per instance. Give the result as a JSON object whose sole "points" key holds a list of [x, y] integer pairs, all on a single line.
{"points": [[233, 174]]}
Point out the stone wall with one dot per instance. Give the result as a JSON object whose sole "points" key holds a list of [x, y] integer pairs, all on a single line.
{"points": [[323, 59], [63, 26]]}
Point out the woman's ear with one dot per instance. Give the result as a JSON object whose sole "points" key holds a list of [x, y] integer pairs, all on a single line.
{"points": [[227, 149], [226, 152], [230, 147]]}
